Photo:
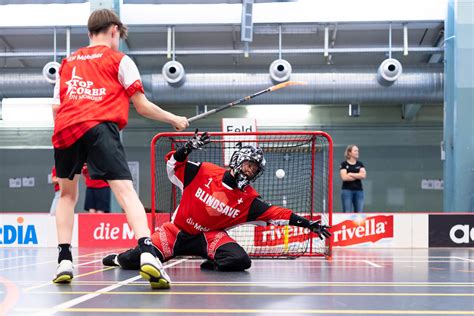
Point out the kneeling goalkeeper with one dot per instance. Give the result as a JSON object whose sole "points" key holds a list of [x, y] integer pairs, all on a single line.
{"points": [[213, 199]]}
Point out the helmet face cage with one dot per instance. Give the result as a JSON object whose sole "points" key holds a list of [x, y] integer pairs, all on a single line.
{"points": [[247, 153]]}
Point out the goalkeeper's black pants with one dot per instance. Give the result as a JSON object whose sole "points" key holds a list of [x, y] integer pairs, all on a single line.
{"points": [[229, 256]]}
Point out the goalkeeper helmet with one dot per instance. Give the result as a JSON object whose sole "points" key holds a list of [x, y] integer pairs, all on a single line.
{"points": [[251, 156]]}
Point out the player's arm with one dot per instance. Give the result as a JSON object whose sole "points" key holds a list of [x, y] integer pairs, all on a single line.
{"points": [[129, 78], [345, 176], [261, 210], [361, 175], [152, 111], [180, 170], [56, 100]]}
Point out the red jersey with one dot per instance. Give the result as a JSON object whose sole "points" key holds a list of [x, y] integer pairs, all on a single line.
{"points": [[53, 174], [94, 86], [209, 204], [91, 183]]}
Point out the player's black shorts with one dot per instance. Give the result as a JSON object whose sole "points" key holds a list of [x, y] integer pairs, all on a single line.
{"points": [[98, 199], [101, 148]]}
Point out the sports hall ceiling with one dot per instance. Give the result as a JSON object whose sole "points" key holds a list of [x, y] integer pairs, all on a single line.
{"points": [[218, 46]]}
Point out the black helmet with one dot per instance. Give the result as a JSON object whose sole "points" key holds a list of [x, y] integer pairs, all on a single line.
{"points": [[246, 153]]}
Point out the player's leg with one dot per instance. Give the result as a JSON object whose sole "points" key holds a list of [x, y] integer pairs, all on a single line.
{"points": [[131, 204], [224, 253], [102, 200], [54, 204], [232, 257], [64, 227], [346, 199], [163, 240], [68, 163], [358, 201], [106, 160], [128, 260], [89, 204]]}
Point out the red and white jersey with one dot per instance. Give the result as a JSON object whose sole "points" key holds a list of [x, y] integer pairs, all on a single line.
{"points": [[209, 204], [94, 86]]}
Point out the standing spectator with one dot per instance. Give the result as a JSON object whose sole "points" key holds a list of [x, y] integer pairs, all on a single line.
{"points": [[352, 172], [97, 194], [55, 182]]}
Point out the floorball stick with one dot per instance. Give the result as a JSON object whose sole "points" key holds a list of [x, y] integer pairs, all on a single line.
{"points": [[241, 100]]}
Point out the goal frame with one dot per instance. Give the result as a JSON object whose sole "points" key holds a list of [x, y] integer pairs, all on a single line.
{"points": [[315, 134]]}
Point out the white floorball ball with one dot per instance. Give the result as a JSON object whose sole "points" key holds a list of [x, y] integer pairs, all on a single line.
{"points": [[280, 173]]}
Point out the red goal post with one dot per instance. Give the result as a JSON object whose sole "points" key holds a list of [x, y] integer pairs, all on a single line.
{"points": [[306, 157]]}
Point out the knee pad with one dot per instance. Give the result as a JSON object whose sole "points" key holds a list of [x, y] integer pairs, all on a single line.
{"points": [[232, 257]]}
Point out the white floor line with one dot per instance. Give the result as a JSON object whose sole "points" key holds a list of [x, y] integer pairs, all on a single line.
{"points": [[28, 265], [83, 298], [86, 263], [294, 282], [319, 282], [353, 259], [377, 259], [372, 263], [76, 258], [11, 258], [417, 261], [464, 259]]}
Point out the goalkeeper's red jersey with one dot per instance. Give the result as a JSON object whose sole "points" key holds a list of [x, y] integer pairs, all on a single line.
{"points": [[209, 204]]}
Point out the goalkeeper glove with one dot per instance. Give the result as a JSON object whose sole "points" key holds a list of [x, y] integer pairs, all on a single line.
{"points": [[197, 142], [321, 230]]}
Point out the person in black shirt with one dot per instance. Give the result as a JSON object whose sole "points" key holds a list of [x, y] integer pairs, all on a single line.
{"points": [[352, 172]]}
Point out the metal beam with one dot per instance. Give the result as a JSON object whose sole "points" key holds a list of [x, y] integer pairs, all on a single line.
{"points": [[271, 51], [409, 111], [438, 57], [458, 194], [9, 47]]}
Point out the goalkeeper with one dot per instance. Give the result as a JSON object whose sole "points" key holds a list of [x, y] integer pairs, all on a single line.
{"points": [[213, 199]]}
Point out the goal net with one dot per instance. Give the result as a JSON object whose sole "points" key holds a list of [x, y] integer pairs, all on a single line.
{"points": [[306, 187]]}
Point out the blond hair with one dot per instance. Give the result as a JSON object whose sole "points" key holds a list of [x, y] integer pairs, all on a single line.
{"points": [[100, 21], [348, 151]]}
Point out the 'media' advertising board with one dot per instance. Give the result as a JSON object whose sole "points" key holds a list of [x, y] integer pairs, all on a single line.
{"points": [[29, 230], [15, 231]]}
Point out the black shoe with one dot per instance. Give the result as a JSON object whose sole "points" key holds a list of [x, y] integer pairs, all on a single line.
{"points": [[111, 260], [208, 265]]}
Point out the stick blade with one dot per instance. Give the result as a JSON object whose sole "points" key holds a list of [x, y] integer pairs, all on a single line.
{"points": [[288, 83]]}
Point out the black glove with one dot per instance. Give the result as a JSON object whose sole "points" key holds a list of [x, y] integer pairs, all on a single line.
{"points": [[321, 230], [197, 142]]}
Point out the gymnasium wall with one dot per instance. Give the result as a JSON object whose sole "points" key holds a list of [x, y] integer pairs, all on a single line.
{"points": [[398, 155]]}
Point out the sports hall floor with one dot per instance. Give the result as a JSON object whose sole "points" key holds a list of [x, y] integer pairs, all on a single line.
{"points": [[355, 282]]}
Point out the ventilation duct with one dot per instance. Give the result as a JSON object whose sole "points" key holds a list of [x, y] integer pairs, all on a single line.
{"points": [[280, 70], [22, 83], [50, 71], [173, 72], [326, 85], [389, 71]]}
